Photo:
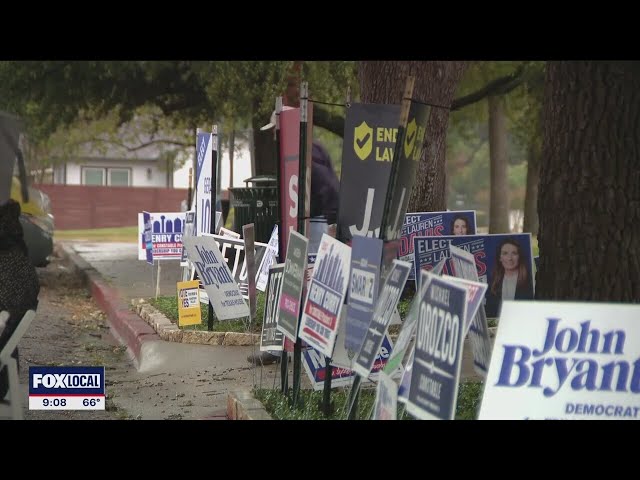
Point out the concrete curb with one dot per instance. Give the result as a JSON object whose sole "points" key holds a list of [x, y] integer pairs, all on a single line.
{"points": [[170, 332], [128, 327], [242, 405]]}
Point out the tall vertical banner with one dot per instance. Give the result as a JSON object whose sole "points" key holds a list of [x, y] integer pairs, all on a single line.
{"points": [[407, 155], [437, 357], [290, 169], [271, 338], [369, 139], [325, 295], [204, 156], [564, 361]]}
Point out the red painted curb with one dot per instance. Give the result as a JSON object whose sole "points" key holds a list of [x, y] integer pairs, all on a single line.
{"points": [[129, 327]]}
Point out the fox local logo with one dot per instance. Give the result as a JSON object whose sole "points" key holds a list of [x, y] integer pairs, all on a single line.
{"points": [[66, 380]]}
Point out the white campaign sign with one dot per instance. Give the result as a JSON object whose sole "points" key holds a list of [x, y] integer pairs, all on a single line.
{"points": [[564, 360], [216, 277]]}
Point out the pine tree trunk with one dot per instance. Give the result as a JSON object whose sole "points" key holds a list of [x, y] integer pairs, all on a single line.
{"points": [[499, 203], [589, 198], [383, 82], [531, 195]]}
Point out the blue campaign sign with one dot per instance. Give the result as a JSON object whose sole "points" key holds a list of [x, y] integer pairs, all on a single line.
{"points": [[148, 244], [366, 255], [438, 350], [202, 142], [384, 308], [433, 224], [503, 261]]}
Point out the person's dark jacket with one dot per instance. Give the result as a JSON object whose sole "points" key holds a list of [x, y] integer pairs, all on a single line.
{"points": [[325, 186], [19, 284]]}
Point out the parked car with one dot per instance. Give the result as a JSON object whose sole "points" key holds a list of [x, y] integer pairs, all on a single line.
{"points": [[36, 217]]}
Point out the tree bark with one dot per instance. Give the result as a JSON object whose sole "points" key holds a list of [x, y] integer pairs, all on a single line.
{"points": [[589, 198], [383, 82], [530, 223], [499, 203]]}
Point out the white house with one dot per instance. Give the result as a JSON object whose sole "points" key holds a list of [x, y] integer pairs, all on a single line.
{"points": [[117, 166]]}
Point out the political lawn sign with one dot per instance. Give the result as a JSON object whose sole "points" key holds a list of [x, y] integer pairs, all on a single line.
{"points": [[204, 170], [386, 405], [438, 349], [295, 266], [325, 295], [369, 139], [166, 230], [366, 255], [269, 259], [384, 308], [189, 312], [221, 288], [407, 155], [271, 338], [565, 360], [433, 224], [462, 265], [491, 253]]}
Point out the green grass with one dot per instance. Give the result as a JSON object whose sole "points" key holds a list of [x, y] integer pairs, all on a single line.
{"points": [[168, 305], [278, 406], [120, 234]]}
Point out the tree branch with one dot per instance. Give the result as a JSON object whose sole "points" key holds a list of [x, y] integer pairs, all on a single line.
{"points": [[499, 86]]}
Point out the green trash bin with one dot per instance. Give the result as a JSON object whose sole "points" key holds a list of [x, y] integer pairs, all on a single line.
{"points": [[257, 204]]}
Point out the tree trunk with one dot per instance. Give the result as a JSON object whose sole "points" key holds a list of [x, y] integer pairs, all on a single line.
{"points": [[383, 82], [589, 198], [499, 202], [232, 142], [530, 223]]}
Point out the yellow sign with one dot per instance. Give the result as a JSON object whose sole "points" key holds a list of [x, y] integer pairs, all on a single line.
{"points": [[410, 138], [363, 140], [189, 303]]}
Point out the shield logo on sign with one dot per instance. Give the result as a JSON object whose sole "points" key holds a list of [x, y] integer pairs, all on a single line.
{"points": [[410, 138], [363, 140]]}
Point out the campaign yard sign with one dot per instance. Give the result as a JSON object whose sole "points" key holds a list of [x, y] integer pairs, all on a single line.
{"points": [[503, 261], [189, 312], [325, 295], [370, 132], [146, 236], [386, 405], [166, 235], [463, 266], [433, 224], [233, 252], [271, 338], [565, 360], [295, 266], [204, 187], [341, 375], [221, 288], [385, 306], [189, 231], [366, 255], [438, 349], [406, 157], [269, 259]]}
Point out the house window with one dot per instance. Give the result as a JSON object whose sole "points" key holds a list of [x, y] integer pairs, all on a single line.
{"points": [[119, 177], [93, 176]]}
